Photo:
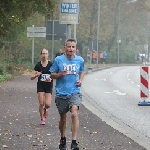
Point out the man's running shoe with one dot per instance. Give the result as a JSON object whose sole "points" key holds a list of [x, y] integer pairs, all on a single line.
{"points": [[62, 145], [74, 146], [45, 113], [42, 122]]}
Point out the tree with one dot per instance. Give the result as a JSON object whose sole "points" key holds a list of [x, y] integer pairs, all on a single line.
{"points": [[17, 11]]}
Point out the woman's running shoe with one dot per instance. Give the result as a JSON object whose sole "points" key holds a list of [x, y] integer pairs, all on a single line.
{"points": [[42, 122]]}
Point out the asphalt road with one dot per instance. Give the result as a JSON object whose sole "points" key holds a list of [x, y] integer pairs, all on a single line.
{"points": [[20, 127], [115, 93]]}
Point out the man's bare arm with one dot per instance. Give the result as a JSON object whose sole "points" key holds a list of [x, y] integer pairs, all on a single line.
{"points": [[81, 75], [58, 75]]}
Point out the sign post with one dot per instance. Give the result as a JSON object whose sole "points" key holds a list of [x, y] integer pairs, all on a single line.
{"points": [[55, 31], [146, 47], [59, 30], [35, 32], [118, 41], [69, 14], [33, 48]]}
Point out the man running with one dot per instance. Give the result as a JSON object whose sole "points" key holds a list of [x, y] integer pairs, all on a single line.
{"points": [[68, 70]]}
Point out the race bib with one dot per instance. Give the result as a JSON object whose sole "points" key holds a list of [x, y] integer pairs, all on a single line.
{"points": [[71, 72], [70, 68], [44, 77]]}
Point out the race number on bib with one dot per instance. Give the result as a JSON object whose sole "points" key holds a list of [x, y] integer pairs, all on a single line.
{"points": [[44, 77]]}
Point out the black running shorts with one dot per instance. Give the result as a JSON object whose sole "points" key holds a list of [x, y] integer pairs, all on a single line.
{"points": [[44, 88]]}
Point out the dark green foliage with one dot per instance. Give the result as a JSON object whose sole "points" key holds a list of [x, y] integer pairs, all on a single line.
{"points": [[15, 12]]}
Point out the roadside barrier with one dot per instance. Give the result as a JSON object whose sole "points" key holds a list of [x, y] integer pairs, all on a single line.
{"points": [[144, 85]]}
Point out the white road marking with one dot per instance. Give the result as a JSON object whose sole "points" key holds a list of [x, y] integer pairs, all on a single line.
{"points": [[100, 79], [119, 93], [130, 79], [108, 92], [116, 92]]}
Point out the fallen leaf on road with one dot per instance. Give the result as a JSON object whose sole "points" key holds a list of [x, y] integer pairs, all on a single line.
{"points": [[17, 135], [5, 146], [29, 136]]}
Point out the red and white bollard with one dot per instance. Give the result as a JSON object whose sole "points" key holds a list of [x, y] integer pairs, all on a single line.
{"points": [[144, 85]]}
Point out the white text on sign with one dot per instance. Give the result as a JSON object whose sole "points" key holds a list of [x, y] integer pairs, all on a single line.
{"points": [[71, 8]]}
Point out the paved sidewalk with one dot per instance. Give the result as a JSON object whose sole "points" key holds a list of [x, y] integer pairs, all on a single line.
{"points": [[20, 128]]}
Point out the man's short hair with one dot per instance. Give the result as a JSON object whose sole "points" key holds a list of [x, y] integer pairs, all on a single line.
{"points": [[70, 40]]}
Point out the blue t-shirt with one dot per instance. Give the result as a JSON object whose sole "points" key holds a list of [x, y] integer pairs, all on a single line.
{"points": [[66, 85], [104, 55]]}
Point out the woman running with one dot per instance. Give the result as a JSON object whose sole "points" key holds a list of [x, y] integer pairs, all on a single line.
{"points": [[44, 84]]}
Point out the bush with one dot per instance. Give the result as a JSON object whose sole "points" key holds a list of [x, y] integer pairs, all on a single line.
{"points": [[6, 77], [2, 78], [28, 65], [9, 69], [1, 71]]}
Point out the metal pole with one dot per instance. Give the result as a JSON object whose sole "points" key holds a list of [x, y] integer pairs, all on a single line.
{"points": [[118, 33], [118, 52], [68, 31], [53, 28], [33, 48], [98, 30], [75, 31]]}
